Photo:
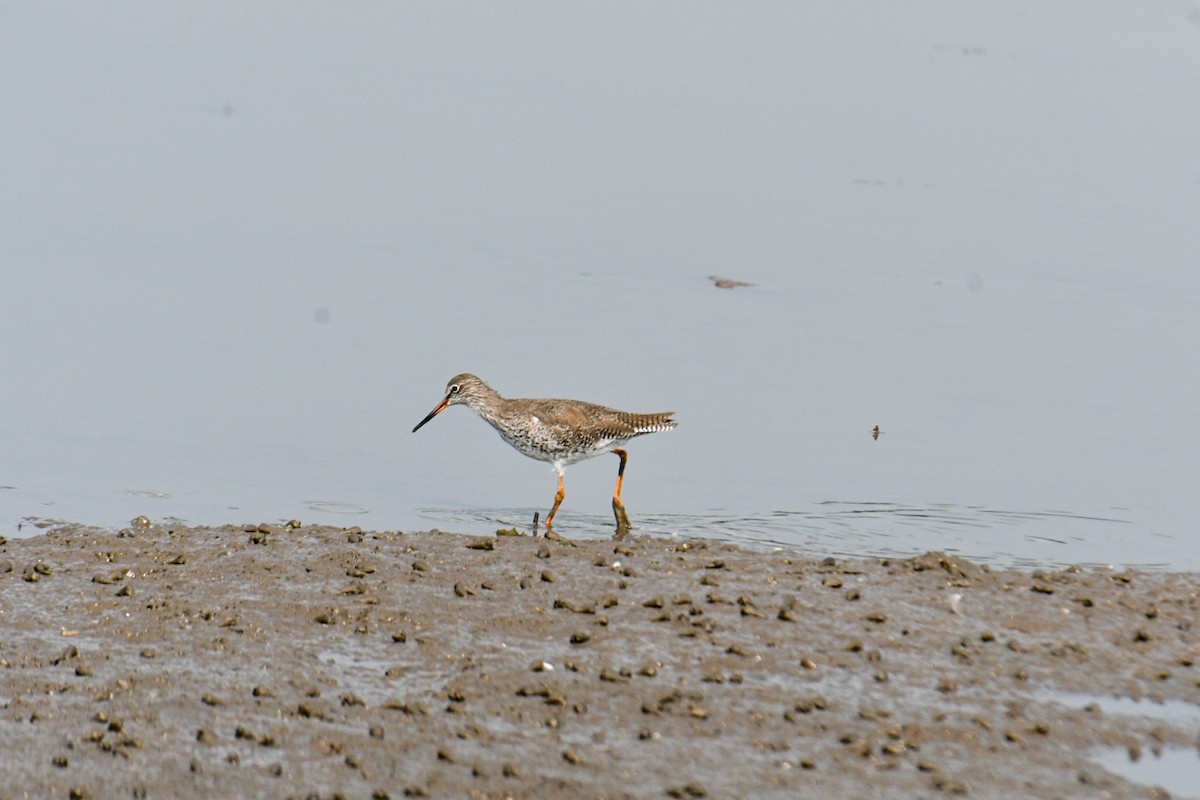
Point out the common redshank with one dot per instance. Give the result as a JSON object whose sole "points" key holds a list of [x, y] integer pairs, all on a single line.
{"points": [[559, 431]]}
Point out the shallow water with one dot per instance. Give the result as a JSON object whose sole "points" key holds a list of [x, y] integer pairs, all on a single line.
{"points": [[1176, 769], [863, 529], [241, 259]]}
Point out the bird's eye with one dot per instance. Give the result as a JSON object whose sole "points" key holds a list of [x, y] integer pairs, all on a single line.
{"points": [[453, 389]]}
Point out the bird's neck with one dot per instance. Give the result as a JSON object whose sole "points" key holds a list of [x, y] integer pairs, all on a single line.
{"points": [[487, 403]]}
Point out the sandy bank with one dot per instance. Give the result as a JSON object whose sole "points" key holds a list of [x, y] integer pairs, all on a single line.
{"points": [[205, 662]]}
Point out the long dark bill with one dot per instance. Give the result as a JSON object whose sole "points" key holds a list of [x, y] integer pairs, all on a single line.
{"points": [[439, 409]]}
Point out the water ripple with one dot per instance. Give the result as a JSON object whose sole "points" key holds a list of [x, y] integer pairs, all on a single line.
{"points": [[1001, 537]]}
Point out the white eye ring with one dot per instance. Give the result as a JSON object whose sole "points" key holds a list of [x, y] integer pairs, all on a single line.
{"points": [[454, 389]]}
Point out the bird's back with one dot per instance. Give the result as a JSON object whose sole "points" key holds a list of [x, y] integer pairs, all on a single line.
{"points": [[571, 430]]}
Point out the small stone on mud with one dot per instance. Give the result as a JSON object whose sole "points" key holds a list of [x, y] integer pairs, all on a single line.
{"points": [[1015, 736], [411, 709]]}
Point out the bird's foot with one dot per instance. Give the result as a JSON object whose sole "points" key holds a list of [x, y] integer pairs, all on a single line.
{"points": [[622, 517], [555, 537]]}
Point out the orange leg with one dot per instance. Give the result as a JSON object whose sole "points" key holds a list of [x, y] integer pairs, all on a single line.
{"points": [[619, 507], [558, 498]]}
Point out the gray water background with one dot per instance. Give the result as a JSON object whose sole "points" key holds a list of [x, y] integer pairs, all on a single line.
{"points": [[243, 247]]}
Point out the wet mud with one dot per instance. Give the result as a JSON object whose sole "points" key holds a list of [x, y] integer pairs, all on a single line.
{"points": [[274, 661]]}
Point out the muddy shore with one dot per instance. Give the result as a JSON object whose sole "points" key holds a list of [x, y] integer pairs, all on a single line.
{"points": [[272, 661]]}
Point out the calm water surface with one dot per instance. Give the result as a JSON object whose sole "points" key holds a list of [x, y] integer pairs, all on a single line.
{"points": [[243, 249]]}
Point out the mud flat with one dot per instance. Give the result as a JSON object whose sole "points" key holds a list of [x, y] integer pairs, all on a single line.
{"points": [[272, 661]]}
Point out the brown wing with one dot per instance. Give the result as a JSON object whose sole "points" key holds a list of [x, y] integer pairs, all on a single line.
{"points": [[591, 421]]}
